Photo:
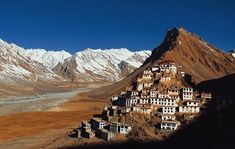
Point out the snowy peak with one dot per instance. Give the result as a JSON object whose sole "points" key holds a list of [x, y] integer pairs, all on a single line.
{"points": [[98, 64], [15, 66], [47, 58], [87, 65]]}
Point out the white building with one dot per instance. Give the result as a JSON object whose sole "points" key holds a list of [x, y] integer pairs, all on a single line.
{"points": [[169, 125], [143, 100], [175, 97], [97, 123], [153, 101], [192, 103], [163, 95], [134, 93], [147, 85], [188, 89], [143, 108], [124, 129], [156, 69], [125, 109], [187, 93], [144, 94], [147, 75], [147, 72], [131, 101], [153, 94], [168, 66], [163, 101], [120, 128], [168, 110], [187, 109], [168, 117], [173, 91]]}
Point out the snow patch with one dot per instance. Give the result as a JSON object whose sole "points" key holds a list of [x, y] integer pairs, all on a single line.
{"points": [[16, 70]]}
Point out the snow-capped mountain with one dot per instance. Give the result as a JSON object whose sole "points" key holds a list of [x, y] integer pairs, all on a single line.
{"points": [[101, 65], [47, 58], [15, 66], [17, 63]]}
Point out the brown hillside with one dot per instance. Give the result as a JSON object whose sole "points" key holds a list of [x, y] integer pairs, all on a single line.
{"points": [[198, 58]]}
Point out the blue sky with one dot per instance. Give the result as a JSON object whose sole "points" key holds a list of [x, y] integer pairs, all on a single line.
{"points": [[73, 25]]}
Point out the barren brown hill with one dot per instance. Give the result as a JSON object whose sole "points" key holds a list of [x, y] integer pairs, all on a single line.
{"points": [[200, 60]]}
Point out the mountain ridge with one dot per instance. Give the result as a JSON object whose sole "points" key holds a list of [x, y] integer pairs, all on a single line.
{"points": [[45, 63], [183, 47], [100, 65], [199, 60], [16, 67], [47, 58]]}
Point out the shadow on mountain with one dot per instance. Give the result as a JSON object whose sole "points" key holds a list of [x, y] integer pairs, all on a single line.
{"points": [[215, 128], [223, 87]]}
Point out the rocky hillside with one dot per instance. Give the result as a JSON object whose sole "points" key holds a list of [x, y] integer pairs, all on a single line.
{"points": [[199, 59], [101, 65]]}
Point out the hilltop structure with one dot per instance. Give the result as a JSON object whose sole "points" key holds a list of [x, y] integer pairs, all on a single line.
{"points": [[160, 91]]}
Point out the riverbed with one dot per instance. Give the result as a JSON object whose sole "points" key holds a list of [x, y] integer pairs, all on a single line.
{"points": [[40, 102]]}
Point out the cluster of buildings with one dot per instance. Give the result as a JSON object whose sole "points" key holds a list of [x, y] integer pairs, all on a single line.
{"points": [[152, 93], [100, 128], [168, 102]]}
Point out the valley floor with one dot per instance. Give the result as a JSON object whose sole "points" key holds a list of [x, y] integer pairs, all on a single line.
{"points": [[35, 103], [26, 130], [45, 117]]}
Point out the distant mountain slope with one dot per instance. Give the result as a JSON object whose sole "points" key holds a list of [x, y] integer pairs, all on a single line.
{"points": [[47, 58], [198, 58], [101, 65], [91, 65], [16, 67]]}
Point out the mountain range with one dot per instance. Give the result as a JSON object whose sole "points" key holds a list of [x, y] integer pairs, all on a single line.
{"points": [[101, 65], [15, 66], [199, 59], [19, 65]]}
